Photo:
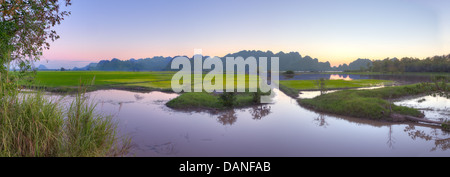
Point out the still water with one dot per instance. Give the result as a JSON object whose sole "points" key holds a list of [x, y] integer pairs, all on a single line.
{"points": [[434, 107], [279, 129]]}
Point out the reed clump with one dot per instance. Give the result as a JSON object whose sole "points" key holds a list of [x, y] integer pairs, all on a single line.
{"points": [[34, 125]]}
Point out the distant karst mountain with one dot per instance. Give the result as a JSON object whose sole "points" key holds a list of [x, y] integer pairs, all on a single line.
{"points": [[88, 67], [359, 64], [288, 61], [42, 67], [148, 64]]}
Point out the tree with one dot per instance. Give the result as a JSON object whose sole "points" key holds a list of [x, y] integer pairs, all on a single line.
{"points": [[26, 26], [5, 49], [289, 72], [321, 85]]}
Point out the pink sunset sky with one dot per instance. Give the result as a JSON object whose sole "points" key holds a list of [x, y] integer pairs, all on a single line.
{"points": [[330, 30]]}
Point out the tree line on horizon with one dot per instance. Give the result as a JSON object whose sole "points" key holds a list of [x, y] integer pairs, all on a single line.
{"points": [[288, 61], [408, 64]]}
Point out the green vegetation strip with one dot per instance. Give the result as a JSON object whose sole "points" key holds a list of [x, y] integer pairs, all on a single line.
{"points": [[332, 84], [147, 81], [68, 81], [372, 104]]}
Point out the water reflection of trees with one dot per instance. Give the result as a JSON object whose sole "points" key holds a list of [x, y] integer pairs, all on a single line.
{"points": [[260, 111], [391, 140], [321, 121], [138, 97], [442, 144], [289, 76], [227, 117]]}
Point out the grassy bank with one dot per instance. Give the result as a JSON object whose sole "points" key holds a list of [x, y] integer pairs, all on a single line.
{"points": [[372, 104], [32, 125], [289, 91]]}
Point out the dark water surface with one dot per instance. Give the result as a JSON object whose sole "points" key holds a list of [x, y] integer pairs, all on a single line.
{"points": [[279, 129]]}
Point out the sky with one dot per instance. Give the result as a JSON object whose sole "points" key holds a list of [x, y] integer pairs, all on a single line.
{"points": [[338, 31]]}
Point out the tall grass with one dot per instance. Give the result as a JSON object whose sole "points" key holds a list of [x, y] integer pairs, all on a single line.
{"points": [[33, 125], [87, 133], [30, 126]]}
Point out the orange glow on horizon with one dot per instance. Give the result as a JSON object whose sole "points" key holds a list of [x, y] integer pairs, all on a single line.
{"points": [[335, 58]]}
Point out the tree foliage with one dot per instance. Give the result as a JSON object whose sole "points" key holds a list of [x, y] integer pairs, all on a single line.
{"points": [[321, 85], [228, 99], [26, 27]]}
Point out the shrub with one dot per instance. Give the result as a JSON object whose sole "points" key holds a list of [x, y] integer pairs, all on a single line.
{"points": [[289, 72], [227, 99], [446, 125], [321, 85], [256, 97]]}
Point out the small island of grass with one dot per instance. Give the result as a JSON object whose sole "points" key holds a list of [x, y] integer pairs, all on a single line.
{"points": [[293, 87], [372, 104], [213, 101]]}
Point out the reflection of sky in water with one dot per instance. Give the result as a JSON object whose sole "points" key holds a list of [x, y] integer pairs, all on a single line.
{"points": [[280, 129], [312, 94], [433, 107], [340, 77]]}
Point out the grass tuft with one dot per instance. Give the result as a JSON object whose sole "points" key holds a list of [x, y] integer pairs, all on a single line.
{"points": [[32, 125]]}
